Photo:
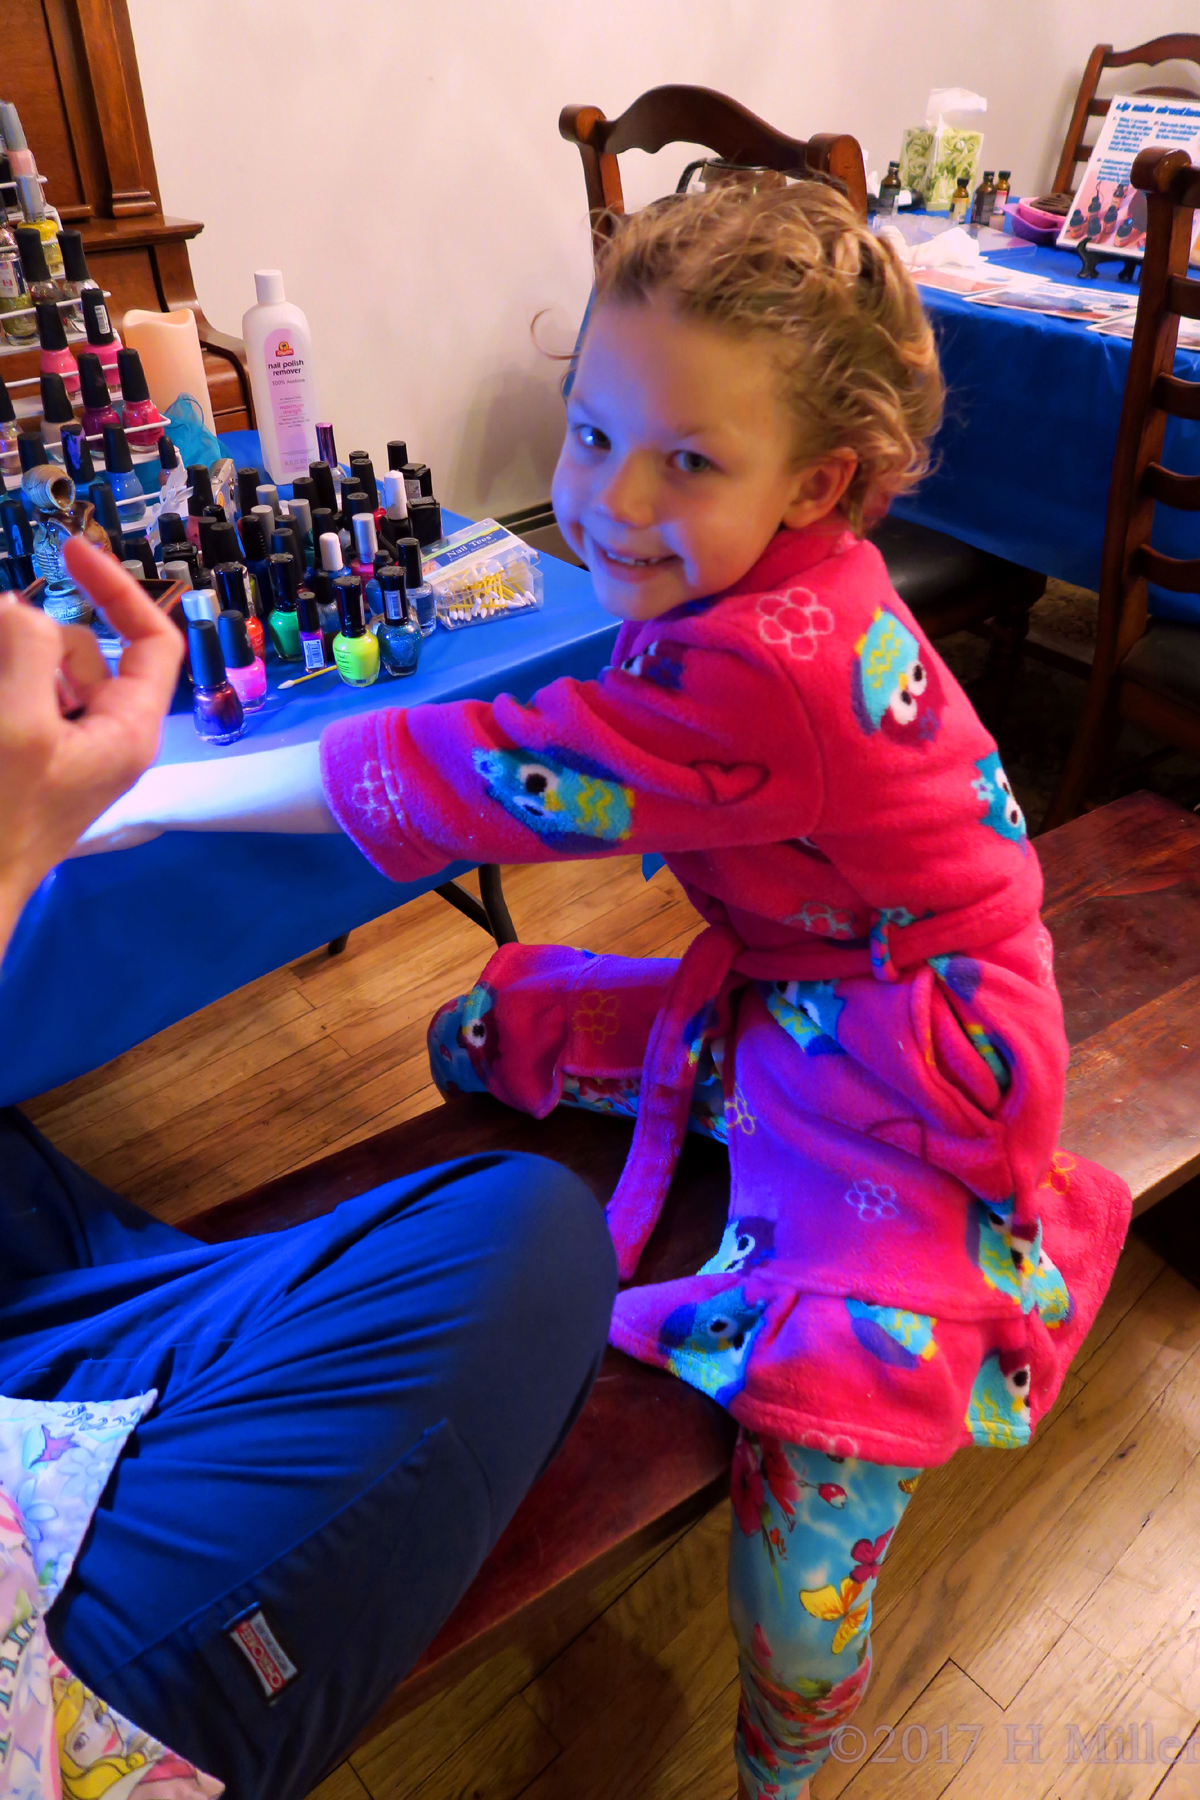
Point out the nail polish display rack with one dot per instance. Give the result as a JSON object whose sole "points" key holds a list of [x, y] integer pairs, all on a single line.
{"points": [[74, 332]]}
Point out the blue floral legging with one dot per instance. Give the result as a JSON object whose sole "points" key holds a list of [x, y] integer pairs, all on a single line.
{"points": [[809, 1531]]}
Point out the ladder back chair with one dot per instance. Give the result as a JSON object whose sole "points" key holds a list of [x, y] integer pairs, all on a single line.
{"points": [[1146, 669], [697, 115], [1179, 46], [949, 585]]}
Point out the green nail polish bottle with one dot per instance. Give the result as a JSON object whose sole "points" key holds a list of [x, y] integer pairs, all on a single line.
{"points": [[355, 649], [283, 627]]}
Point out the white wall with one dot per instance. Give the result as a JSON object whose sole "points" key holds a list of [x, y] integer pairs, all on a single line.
{"points": [[400, 161]]}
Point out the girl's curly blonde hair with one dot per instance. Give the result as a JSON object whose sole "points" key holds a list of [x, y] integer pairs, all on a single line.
{"points": [[797, 265]]}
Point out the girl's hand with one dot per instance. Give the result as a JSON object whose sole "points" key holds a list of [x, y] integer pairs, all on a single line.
{"points": [[58, 773]]}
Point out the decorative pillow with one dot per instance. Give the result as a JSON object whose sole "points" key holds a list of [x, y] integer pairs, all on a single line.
{"points": [[58, 1741], [55, 1457]]}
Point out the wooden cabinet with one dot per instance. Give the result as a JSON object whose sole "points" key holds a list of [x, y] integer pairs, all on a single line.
{"points": [[69, 67]]}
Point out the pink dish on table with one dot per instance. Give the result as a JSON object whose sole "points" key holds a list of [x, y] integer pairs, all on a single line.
{"points": [[1036, 226]]}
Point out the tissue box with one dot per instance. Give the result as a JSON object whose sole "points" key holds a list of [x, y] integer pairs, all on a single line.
{"points": [[956, 152]]}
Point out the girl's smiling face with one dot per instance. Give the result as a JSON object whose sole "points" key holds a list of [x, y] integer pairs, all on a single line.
{"points": [[679, 463]]}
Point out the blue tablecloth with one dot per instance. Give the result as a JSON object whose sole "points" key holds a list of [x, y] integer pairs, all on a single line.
{"points": [[114, 947], [1025, 454]]}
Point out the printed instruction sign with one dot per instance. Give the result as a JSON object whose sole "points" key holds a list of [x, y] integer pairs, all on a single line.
{"points": [[1109, 213]]}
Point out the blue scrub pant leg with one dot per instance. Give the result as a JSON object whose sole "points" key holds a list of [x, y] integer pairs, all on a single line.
{"points": [[349, 1412]]}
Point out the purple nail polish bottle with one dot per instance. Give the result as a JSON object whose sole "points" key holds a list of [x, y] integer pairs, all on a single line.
{"points": [[216, 709]]}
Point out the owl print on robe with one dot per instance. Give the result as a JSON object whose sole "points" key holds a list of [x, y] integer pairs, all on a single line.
{"points": [[998, 1411], [567, 800], [898, 1337], [894, 690], [1016, 1264], [808, 1011], [744, 1244], [707, 1343], [463, 1041], [660, 663], [1001, 812]]}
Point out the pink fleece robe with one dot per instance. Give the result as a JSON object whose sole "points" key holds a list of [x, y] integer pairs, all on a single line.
{"points": [[875, 986]]}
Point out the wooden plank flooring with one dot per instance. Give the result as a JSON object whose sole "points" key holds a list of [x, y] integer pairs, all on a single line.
{"points": [[1036, 1596]]}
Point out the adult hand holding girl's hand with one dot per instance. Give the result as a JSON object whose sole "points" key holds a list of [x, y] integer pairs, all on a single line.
{"points": [[57, 773]]}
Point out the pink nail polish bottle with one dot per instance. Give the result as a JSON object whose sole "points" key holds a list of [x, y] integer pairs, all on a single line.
{"points": [[56, 358], [98, 409], [245, 672], [102, 340], [143, 427]]}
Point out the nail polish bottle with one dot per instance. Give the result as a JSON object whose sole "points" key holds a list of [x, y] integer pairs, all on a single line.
{"points": [[362, 561], [33, 205], [169, 459], [118, 469], [18, 539], [331, 554], [76, 274], [200, 603], [362, 474], [418, 480], [266, 518], [56, 359], [326, 449], [245, 670], [10, 460], [98, 409], [300, 512], [200, 483], [397, 454], [172, 534], [324, 524], [57, 410], [31, 451], [394, 524], [355, 649], [247, 491], [101, 337], [77, 457], [304, 488], [425, 519], [206, 524], [255, 551], [398, 633], [233, 590], [283, 628], [268, 495], [104, 501], [312, 643], [223, 538], [38, 285], [139, 414], [421, 596], [17, 322], [216, 710], [354, 501], [321, 476], [325, 595]]}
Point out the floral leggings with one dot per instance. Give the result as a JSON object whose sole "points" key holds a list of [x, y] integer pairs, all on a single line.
{"points": [[810, 1531]]}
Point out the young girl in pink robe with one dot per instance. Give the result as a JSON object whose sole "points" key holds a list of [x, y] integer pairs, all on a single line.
{"points": [[869, 1020]]}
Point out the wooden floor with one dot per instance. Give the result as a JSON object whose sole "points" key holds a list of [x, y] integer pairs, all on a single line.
{"points": [[1054, 1588]]}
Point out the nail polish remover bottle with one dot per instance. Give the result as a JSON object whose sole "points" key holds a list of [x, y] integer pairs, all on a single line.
{"points": [[355, 649], [282, 378]]}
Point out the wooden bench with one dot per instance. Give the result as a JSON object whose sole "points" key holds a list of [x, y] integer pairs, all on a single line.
{"points": [[649, 1454]]}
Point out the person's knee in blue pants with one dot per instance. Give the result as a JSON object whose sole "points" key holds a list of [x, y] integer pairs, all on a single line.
{"points": [[349, 1414]]}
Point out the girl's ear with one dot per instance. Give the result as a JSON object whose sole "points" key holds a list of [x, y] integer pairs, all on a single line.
{"points": [[818, 488]]}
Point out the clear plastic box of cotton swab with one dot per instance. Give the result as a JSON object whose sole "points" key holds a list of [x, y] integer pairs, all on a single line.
{"points": [[482, 573]]}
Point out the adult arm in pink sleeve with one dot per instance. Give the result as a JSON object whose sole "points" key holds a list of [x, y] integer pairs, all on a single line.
{"points": [[694, 745]]}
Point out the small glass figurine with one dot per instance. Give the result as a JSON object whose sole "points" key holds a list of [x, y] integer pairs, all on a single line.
{"points": [[57, 516]]}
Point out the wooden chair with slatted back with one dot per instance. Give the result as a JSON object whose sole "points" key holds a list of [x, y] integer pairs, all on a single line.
{"points": [[1179, 46], [696, 115], [950, 586], [1146, 669]]}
